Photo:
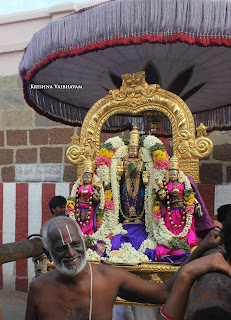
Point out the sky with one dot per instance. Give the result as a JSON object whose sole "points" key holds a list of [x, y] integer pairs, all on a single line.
{"points": [[14, 6]]}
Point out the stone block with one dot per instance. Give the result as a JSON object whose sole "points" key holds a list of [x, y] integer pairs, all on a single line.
{"points": [[211, 173], [16, 137], [222, 152], [39, 136], [9, 82], [6, 156], [228, 174], [42, 121], [1, 138], [70, 173], [17, 119], [8, 174], [28, 155], [12, 99], [61, 135], [51, 155]]}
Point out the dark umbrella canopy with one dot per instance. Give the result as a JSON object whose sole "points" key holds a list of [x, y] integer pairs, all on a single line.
{"points": [[183, 45]]}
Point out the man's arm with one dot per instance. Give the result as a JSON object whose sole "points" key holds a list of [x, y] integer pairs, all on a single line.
{"points": [[133, 288], [210, 241], [176, 304]]}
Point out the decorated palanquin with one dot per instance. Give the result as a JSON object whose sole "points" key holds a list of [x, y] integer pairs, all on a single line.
{"points": [[131, 221]]}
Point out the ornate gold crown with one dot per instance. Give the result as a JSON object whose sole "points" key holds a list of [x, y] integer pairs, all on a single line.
{"points": [[134, 137], [88, 166], [174, 164]]}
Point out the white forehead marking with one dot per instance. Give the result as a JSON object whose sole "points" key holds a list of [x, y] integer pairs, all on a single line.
{"points": [[64, 235], [60, 232], [69, 233]]}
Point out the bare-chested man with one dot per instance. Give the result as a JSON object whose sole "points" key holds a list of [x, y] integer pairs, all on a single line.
{"points": [[80, 290]]}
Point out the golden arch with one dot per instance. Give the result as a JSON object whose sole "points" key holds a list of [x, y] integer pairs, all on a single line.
{"points": [[136, 96]]}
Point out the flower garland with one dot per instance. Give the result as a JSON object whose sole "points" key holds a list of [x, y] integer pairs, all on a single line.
{"points": [[127, 254], [92, 255], [162, 234]]}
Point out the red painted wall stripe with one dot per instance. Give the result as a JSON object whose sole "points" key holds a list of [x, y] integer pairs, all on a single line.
{"points": [[48, 192], [207, 192], [1, 225], [21, 232]]}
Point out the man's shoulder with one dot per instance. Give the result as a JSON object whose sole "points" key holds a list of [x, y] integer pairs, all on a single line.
{"points": [[44, 280], [110, 271]]}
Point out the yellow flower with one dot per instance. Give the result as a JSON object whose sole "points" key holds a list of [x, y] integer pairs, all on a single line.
{"points": [[108, 194], [159, 155], [70, 204], [105, 153], [157, 206], [115, 252], [99, 218], [189, 200]]}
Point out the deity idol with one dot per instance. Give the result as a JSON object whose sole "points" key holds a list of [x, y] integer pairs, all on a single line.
{"points": [[173, 214], [84, 199], [133, 177]]}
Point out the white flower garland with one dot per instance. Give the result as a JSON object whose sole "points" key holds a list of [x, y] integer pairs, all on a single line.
{"points": [[127, 254], [115, 186], [149, 243], [103, 172], [115, 141], [150, 141], [155, 174], [92, 255]]}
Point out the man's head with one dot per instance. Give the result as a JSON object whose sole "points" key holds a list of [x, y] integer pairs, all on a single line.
{"points": [[226, 232], [223, 212], [57, 206], [64, 243]]}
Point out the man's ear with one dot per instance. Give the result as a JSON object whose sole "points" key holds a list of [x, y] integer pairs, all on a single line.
{"points": [[47, 253]]}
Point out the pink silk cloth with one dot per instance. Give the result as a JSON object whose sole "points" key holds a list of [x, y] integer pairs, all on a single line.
{"points": [[176, 215], [83, 208]]}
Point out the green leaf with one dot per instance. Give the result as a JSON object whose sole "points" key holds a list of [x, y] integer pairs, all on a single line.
{"points": [[125, 140], [177, 244], [89, 241], [108, 146]]}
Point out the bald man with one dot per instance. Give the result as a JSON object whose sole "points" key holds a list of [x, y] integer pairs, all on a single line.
{"points": [[80, 290]]}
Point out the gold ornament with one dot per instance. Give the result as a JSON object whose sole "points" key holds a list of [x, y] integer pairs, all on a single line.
{"points": [[162, 194], [88, 166], [134, 137], [145, 176], [120, 169], [174, 164]]}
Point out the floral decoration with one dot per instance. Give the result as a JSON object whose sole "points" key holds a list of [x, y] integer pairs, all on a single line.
{"points": [[157, 215], [127, 254]]}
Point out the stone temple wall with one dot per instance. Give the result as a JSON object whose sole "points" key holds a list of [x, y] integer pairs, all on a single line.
{"points": [[29, 138]]}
